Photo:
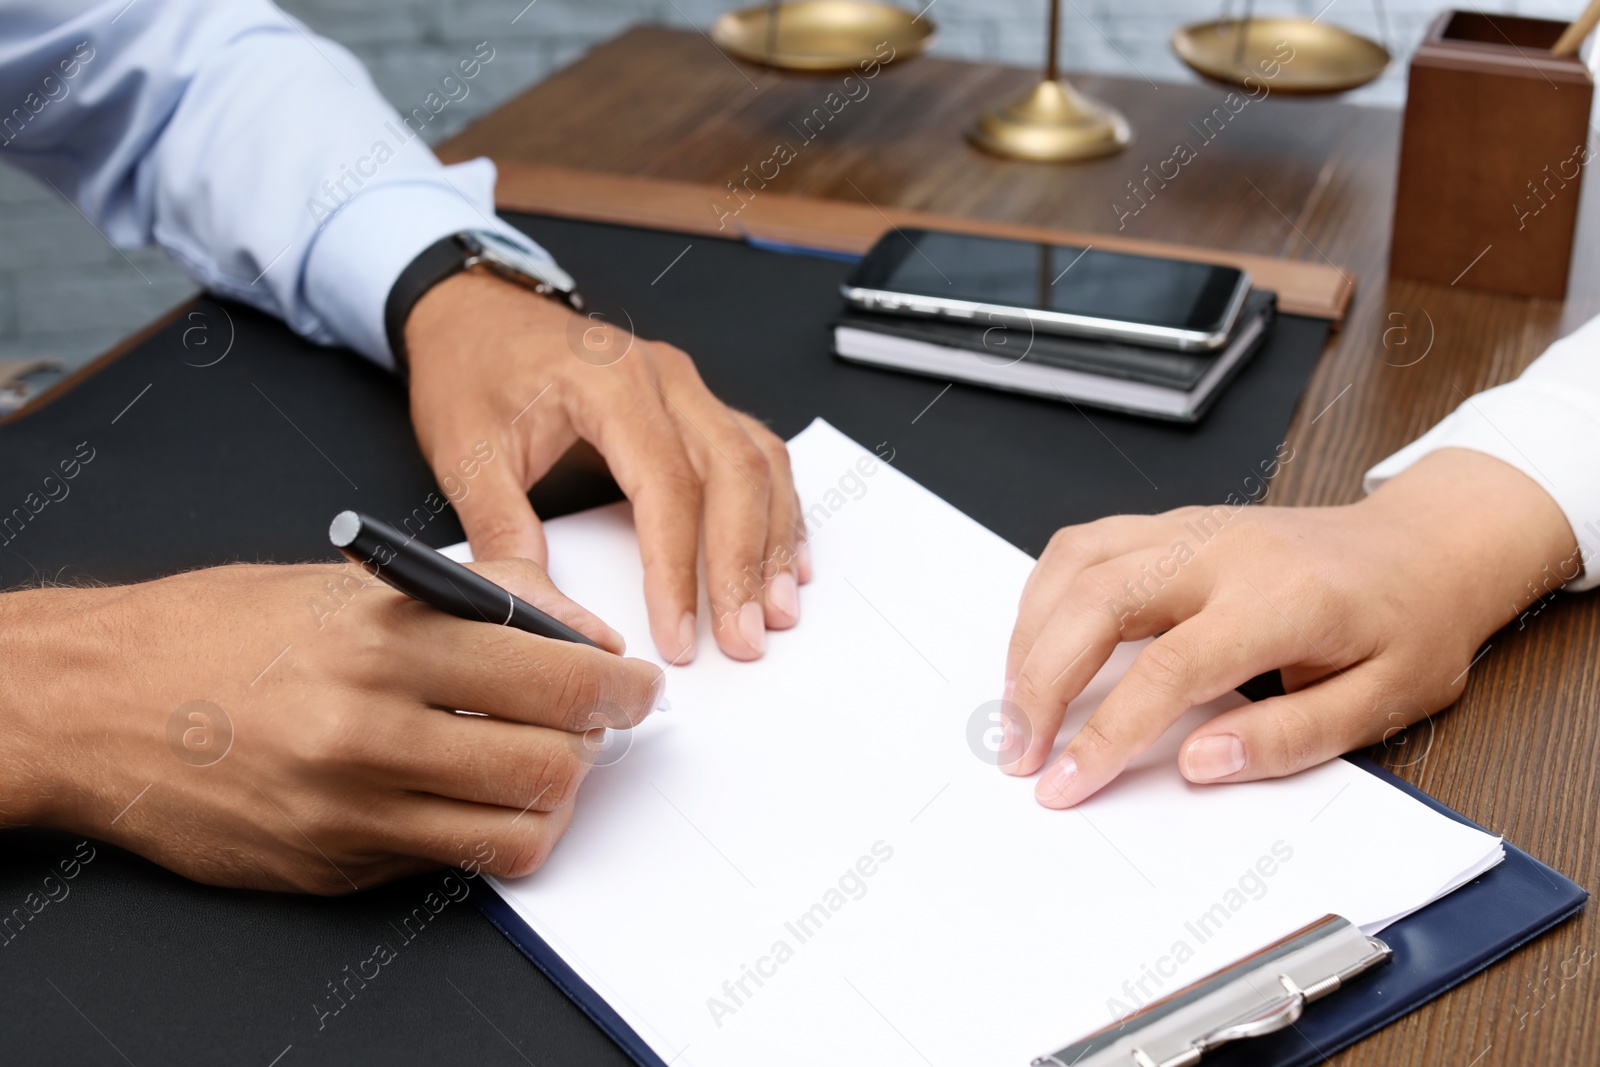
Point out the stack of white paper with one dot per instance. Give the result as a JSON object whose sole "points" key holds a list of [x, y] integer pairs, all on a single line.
{"points": [[806, 860]]}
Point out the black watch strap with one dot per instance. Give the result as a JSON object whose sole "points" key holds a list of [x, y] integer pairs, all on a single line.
{"points": [[433, 264]]}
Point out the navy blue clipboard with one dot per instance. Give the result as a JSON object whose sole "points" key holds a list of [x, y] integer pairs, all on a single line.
{"points": [[1435, 949]]}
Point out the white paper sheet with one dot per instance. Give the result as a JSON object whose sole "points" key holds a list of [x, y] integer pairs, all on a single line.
{"points": [[804, 861]]}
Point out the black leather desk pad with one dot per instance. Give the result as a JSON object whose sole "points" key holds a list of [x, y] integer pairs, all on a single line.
{"points": [[202, 458]]}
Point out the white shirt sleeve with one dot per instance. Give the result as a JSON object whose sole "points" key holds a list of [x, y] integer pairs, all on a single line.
{"points": [[257, 154], [1547, 425]]}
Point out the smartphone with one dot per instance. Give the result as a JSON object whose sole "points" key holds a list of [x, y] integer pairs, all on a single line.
{"points": [[1080, 292]]}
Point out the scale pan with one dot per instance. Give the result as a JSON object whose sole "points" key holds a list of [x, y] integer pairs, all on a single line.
{"points": [[822, 34], [1326, 59]]}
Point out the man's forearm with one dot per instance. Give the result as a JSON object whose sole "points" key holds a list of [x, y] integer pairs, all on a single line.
{"points": [[48, 650]]}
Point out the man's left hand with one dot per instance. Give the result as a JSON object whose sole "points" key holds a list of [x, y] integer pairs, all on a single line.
{"points": [[493, 362]]}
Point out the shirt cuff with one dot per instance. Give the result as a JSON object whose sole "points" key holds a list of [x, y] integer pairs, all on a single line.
{"points": [[1533, 427], [363, 248]]}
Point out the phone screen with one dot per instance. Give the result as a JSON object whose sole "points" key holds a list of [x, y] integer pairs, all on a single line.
{"points": [[1106, 285]]}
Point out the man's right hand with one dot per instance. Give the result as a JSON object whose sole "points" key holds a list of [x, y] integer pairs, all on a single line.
{"points": [[344, 766]]}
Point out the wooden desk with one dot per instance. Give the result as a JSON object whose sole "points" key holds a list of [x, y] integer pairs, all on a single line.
{"points": [[1305, 180]]}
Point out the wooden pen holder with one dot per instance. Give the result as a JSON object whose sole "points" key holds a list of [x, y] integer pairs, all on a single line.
{"points": [[1491, 157]]}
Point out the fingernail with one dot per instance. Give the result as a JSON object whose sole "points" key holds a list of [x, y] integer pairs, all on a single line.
{"points": [[658, 691], [753, 626], [802, 557], [783, 596], [1213, 757], [1012, 747], [1055, 788], [685, 639]]}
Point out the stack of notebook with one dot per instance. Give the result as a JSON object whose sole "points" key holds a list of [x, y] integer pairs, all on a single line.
{"points": [[1157, 382]]}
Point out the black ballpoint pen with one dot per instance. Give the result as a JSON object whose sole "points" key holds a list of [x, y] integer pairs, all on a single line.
{"points": [[437, 580]]}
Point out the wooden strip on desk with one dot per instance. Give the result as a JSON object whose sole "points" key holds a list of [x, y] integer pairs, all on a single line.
{"points": [[94, 366], [1313, 289]]}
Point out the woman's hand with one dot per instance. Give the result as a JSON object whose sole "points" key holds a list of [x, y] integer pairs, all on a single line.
{"points": [[287, 727], [1371, 612]]}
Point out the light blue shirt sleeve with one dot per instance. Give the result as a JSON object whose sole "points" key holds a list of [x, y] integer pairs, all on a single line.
{"points": [[257, 154]]}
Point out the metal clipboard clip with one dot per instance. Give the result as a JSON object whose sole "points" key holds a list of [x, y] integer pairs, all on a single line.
{"points": [[1261, 993]]}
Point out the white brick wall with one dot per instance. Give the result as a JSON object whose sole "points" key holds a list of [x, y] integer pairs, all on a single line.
{"points": [[53, 266]]}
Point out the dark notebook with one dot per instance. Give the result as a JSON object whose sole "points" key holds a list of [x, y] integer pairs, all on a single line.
{"points": [[1156, 382]]}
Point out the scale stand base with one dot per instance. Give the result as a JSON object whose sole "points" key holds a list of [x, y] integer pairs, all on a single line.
{"points": [[1051, 123]]}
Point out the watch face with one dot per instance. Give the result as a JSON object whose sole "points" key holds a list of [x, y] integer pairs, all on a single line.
{"points": [[508, 254], [490, 240]]}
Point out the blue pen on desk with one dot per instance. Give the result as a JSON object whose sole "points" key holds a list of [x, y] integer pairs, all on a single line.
{"points": [[437, 580]]}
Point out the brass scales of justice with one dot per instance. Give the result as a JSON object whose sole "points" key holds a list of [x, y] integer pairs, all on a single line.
{"points": [[1054, 122]]}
